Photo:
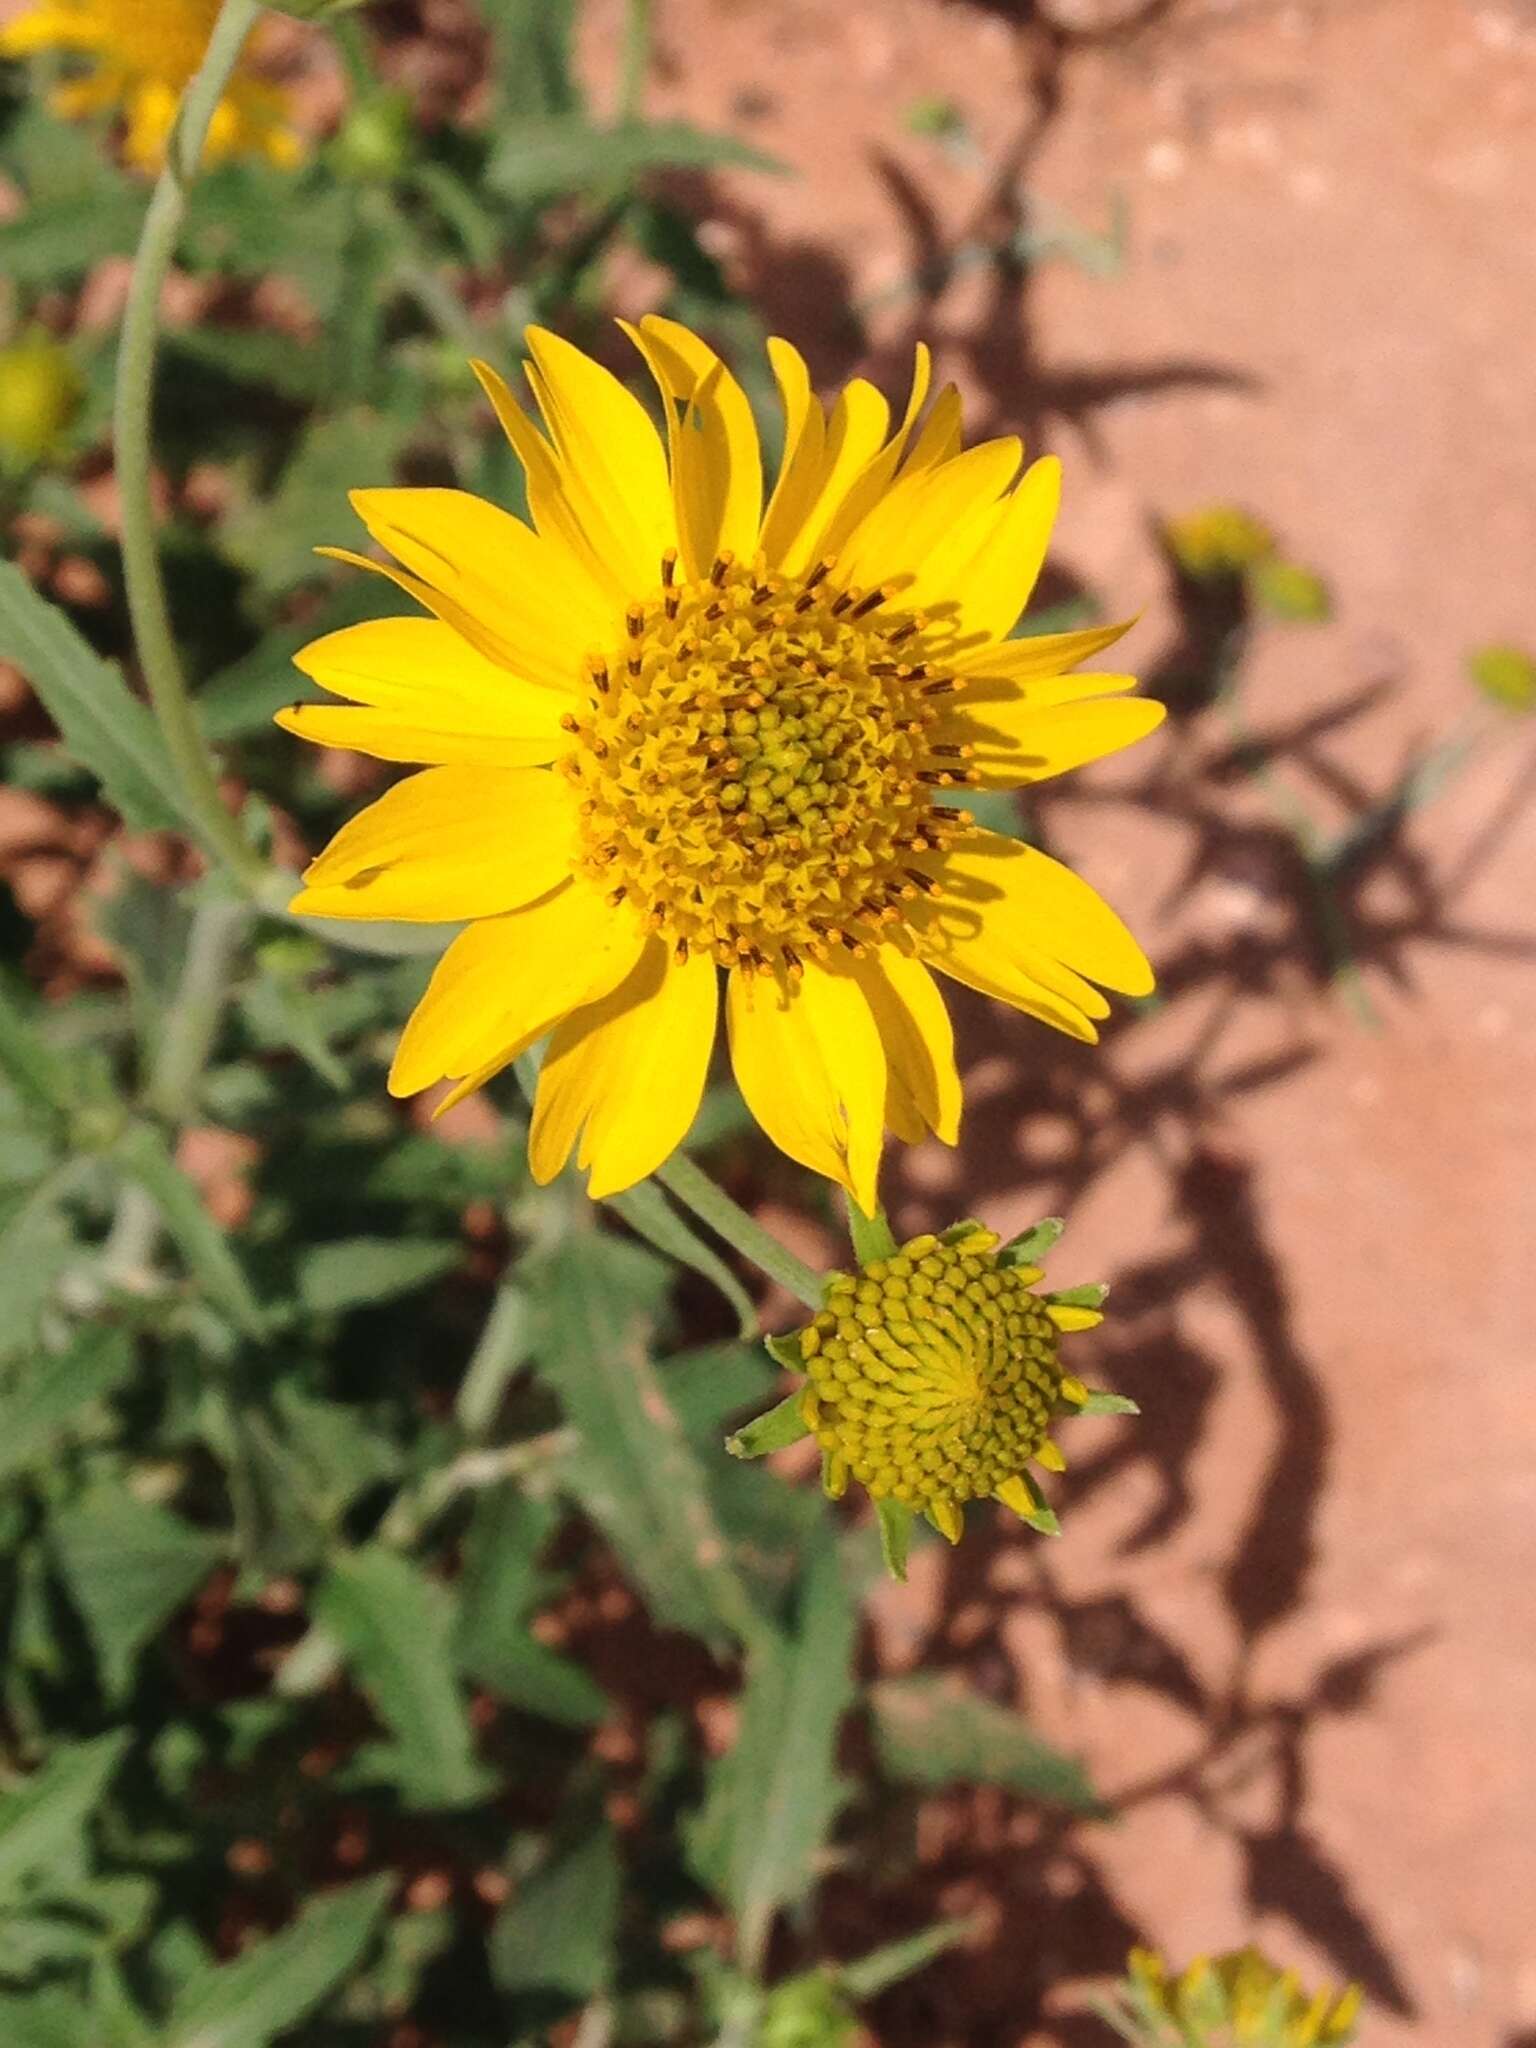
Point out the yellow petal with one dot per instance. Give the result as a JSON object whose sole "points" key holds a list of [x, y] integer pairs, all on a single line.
{"points": [[1037, 655], [717, 467], [805, 433], [556, 508], [1024, 745], [1017, 1494], [48, 28], [430, 696], [810, 1065], [1067, 1317], [919, 1041], [416, 666], [972, 964], [927, 525], [627, 1073], [495, 570], [940, 439], [993, 587], [853, 437], [947, 1517], [506, 981], [874, 479], [1021, 898], [447, 844], [386, 737], [1049, 1455], [612, 459]]}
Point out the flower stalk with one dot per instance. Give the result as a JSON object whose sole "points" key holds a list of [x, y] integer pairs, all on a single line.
{"points": [[712, 1205], [154, 638]]}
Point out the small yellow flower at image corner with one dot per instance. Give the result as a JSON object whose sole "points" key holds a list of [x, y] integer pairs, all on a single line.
{"points": [[136, 58], [934, 1378], [672, 731], [1239, 1997]]}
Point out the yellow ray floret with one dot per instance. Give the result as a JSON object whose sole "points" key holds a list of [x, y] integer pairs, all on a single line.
{"points": [[671, 731], [1241, 1997], [136, 61]]}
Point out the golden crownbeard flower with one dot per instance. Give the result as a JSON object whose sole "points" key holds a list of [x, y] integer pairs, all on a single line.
{"points": [[1240, 1997], [139, 60], [674, 732], [935, 1377]]}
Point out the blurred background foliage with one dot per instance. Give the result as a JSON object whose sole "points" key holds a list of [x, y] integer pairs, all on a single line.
{"points": [[353, 1693]]}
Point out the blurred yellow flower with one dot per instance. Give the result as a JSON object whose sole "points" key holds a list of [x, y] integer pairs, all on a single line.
{"points": [[40, 393], [755, 722], [1242, 1997], [138, 59], [935, 1377], [1217, 540]]}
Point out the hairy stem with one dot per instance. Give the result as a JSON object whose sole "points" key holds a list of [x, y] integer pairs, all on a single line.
{"points": [[154, 638], [712, 1205]]}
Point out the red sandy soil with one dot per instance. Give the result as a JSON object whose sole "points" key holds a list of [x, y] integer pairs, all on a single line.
{"points": [[1291, 1622]]}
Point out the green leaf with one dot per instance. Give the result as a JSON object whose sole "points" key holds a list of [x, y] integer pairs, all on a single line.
{"points": [[633, 1470], [926, 1733], [895, 1519], [102, 724], [127, 1566], [773, 1797], [532, 49], [1031, 1246], [648, 1212], [782, 1424], [59, 240], [559, 1931], [1093, 1295], [143, 1156], [1108, 1404], [395, 1628], [39, 1075], [50, 1389], [41, 1817], [894, 1961], [551, 158], [274, 536], [359, 1270], [35, 1248], [499, 1583], [250, 2002]]}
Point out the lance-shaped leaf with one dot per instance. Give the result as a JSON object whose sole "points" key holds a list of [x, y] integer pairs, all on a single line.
{"points": [[102, 724], [927, 1733], [633, 1470], [128, 1565], [41, 1816], [773, 1798]]}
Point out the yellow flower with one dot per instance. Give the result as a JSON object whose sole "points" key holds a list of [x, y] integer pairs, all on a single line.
{"points": [[40, 393], [1242, 1997], [140, 57], [1218, 540], [935, 1378], [755, 722]]}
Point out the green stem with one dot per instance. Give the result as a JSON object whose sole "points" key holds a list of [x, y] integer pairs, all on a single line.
{"points": [[192, 1020], [148, 610], [696, 1191]]}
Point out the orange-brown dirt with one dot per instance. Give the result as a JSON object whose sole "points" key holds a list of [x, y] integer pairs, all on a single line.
{"points": [[1291, 1624]]}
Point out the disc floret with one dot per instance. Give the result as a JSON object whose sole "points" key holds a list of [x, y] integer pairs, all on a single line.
{"points": [[756, 765]]}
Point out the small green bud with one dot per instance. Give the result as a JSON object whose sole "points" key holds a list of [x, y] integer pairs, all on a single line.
{"points": [[376, 141]]}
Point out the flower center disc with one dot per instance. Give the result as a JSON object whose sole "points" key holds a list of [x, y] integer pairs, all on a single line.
{"points": [[935, 1373], [755, 771]]}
